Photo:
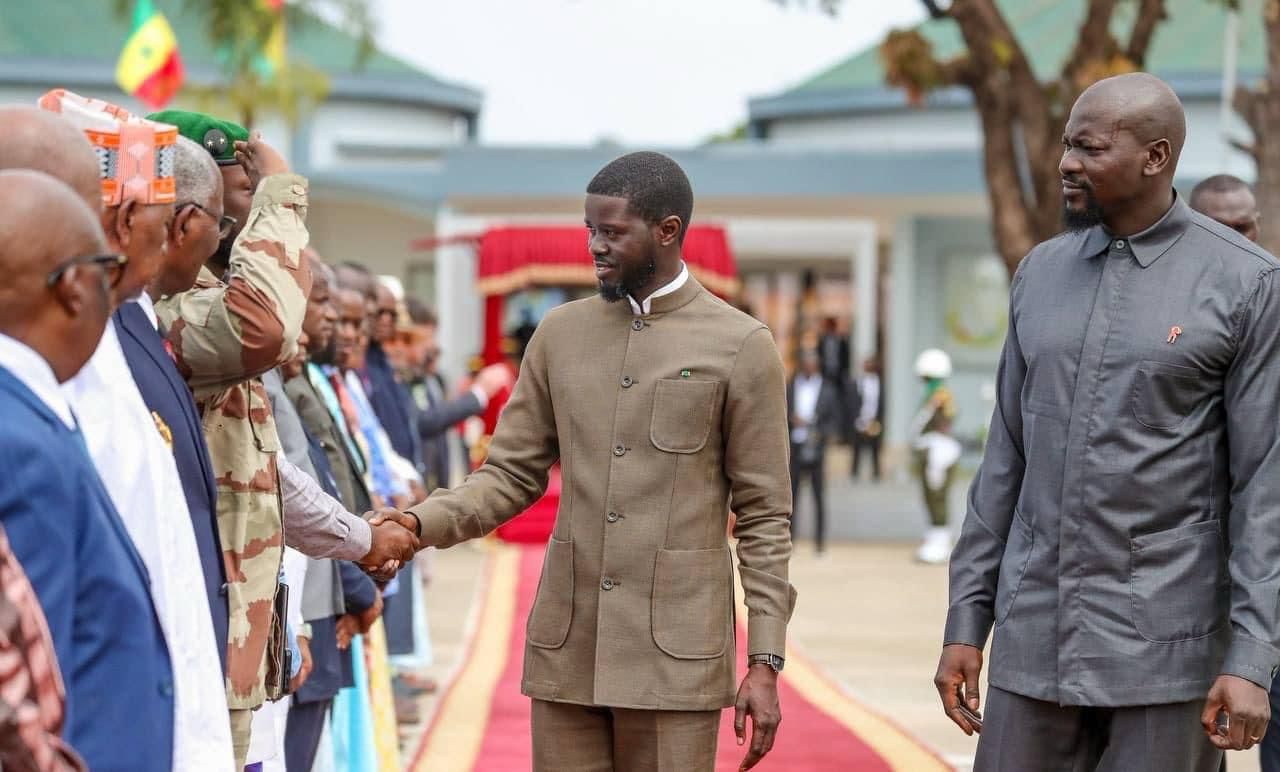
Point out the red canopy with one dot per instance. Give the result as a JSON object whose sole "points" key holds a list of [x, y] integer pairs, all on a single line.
{"points": [[511, 259]]}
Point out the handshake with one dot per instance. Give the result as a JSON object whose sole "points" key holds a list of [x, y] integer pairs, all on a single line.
{"points": [[393, 541]]}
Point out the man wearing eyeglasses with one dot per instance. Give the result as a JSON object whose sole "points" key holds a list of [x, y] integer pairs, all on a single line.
{"points": [[131, 445], [59, 518], [243, 317]]}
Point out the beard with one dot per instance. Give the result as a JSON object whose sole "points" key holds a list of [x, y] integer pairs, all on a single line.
{"points": [[630, 279], [326, 355], [1083, 219], [221, 257]]}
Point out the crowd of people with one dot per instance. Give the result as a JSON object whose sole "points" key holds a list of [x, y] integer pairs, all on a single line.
{"points": [[218, 448], [208, 435]]}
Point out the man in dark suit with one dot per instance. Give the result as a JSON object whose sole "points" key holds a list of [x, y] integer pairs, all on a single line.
{"points": [[55, 303], [813, 412], [434, 412], [340, 476], [197, 227], [868, 418], [836, 363]]}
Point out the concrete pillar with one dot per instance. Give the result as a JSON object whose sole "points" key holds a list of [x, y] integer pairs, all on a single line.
{"points": [[458, 306], [901, 392], [865, 281]]}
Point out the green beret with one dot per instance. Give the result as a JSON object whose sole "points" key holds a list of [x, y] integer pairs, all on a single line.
{"points": [[216, 136]]}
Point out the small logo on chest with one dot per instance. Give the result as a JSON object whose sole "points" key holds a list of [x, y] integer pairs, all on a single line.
{"points": [[1174, 332]]}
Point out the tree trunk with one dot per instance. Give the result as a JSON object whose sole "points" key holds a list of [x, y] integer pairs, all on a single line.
{"points": [[1023, 118], [1261, 110]]}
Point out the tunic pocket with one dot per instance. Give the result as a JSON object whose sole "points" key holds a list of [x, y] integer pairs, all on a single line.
{"points": [[1178, 582], [552, 612], [1013, 566], [1164, 393], [682, 410], [693, 602]]}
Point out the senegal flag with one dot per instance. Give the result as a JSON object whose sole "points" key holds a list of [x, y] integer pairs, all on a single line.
{"points": [[149, 67]]}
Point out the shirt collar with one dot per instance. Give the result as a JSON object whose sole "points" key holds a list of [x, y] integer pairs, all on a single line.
{"points": [[1149, 245], [148, 308], [641, 309], [34, 372]]}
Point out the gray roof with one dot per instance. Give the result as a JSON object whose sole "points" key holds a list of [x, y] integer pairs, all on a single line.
{"points": [[739, 170]]}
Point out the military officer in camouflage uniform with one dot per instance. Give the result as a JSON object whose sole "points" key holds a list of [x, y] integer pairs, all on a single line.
{"points": [[224, 333]]}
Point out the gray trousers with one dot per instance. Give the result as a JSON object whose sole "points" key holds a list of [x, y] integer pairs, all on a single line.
{"points": [[1020, 734]]}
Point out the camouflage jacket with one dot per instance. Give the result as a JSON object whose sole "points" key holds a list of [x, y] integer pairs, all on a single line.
{"points": [[224, 335]]}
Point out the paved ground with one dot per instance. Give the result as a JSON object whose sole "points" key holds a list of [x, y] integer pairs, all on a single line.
{"points": [[868, 614]]}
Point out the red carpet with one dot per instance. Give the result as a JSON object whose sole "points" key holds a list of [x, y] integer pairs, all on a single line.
{"points": [[812, 739]]}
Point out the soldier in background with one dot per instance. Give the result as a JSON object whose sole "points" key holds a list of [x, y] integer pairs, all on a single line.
{"points": [[936, 451], [239, 321]]}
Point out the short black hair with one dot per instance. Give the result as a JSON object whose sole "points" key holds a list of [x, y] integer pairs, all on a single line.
{"points": [[420, 313], [1218, 183], [654, 185]]}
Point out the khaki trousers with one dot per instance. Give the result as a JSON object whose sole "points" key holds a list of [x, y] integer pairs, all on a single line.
{"points": [[241, 723], [577, 738]]}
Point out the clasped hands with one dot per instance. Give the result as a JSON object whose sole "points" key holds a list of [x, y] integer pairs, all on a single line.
{"points": [[393, 542]]}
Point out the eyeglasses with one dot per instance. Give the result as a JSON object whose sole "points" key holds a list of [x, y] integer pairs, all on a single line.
{"points": [[225, 223], [112, 268]]}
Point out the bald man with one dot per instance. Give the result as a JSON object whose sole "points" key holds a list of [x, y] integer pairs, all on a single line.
{"points": [[130, 443], [1124, 527], [59, 518], [44, 141]]}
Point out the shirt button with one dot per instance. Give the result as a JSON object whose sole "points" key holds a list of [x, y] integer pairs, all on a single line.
{"points": [[166, 690], [618, 450], [627, 382], [1120, 244], [606, 585], [637, 325], [612, 517]]}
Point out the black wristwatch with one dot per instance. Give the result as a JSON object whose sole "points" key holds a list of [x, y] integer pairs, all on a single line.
{"points": [[772, 660]]}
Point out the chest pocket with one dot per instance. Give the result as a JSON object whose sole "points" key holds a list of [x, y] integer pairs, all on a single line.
{"points": [[1164, 393], [682, 411]]}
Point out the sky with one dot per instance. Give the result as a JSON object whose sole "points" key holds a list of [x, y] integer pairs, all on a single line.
{"points": [[639, 72]]}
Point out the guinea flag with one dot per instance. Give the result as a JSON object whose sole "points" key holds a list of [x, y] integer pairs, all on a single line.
{"points": [[149, 67]]}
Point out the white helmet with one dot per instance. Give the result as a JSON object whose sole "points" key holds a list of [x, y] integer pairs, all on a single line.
{"points": [[933, 363]]}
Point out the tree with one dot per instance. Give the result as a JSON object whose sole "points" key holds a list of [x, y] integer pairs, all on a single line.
{"points": [[1022, 116], [1260, 108], [243, 32]]}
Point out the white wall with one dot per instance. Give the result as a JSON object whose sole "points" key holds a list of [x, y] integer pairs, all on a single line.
{"points": [[896, 131], [411, 135]]}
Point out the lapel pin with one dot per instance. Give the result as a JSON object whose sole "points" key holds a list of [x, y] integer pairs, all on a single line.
{"points": [[1174, 332], [685, 373]]}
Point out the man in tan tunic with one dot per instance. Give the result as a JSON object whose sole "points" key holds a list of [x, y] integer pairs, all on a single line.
{"points": [[666, 410]]}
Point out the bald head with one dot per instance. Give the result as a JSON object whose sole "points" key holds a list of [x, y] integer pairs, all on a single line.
{"points": [[46, 142], [44, 227], [1141, 104], [1120, 152]]}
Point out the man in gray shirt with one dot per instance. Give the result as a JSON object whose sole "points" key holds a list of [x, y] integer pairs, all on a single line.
{"points": [[1123, 532]]}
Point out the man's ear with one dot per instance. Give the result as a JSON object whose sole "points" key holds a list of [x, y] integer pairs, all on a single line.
{"points": [[1159, 156], [122, 228], [178, 229], [71, 294], [669, 230]]}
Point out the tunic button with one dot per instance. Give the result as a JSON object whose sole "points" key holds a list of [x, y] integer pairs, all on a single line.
{"points": [[618, 450], [612, 517], [637, 325], [1119, 243], [607, 584], [627, 382]]}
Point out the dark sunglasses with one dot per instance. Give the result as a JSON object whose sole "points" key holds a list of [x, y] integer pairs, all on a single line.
{"points": [[225, 223], [112, 268]]}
